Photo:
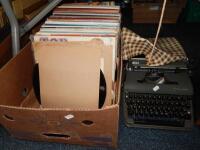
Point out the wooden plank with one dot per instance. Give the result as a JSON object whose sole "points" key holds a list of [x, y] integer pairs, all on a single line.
{"points": [[22, 7], [150, 13], [35, 6], [30, 16], [27, 3], [17, 8], [3, 18]]}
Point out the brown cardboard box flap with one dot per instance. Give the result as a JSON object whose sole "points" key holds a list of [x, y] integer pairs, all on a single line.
{"points": [[13, 82]]}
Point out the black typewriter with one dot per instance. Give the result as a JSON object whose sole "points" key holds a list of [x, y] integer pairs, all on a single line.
{"points": [[157, 97]]}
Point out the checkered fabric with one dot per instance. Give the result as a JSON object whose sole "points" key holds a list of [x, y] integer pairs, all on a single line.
{"points": [[167, 50]]}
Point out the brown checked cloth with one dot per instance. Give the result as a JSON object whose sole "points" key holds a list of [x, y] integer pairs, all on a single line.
{"points": [[167, 49]]}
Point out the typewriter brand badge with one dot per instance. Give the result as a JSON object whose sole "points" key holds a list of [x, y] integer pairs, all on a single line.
{"points": [[135, 62]]}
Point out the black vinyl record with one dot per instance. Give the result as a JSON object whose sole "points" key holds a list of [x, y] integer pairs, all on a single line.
{"points": [[116, 73], [36, 82], [36, 86], [102, 89]]}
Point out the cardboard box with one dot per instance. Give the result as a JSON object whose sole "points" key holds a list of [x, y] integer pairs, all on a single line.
{"points": [[23, 117]]}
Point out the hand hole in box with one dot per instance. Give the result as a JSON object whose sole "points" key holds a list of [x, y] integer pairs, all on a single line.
{"points": [[87, 122], [57, 135], [25, 92], [9, 118]]}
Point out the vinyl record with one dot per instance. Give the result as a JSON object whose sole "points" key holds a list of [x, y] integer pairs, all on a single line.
{"points": [[102, 89], [116, 73], [36, 82]]}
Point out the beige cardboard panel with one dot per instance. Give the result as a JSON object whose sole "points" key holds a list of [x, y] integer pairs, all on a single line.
{"points": [[69, 73], [15, 76], [106, 65]]}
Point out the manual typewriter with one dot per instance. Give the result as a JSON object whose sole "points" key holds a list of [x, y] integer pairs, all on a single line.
{"points": [[157, 97]]}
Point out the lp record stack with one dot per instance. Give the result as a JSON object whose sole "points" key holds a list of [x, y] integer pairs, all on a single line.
{"points": [[76, 51]]}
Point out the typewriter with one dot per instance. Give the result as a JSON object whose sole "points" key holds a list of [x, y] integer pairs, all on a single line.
{"points": [[157, 97]]}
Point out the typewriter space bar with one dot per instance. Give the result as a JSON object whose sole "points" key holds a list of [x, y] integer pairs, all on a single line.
{"points": [[160, 122]]}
